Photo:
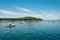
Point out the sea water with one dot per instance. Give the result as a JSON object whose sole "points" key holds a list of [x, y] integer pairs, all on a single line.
{"points": [[40, 30]]}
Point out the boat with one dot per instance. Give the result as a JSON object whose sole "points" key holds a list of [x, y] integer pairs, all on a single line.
{"points": [[10, 25]]}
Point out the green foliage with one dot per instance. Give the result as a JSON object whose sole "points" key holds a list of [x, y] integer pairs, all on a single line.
{"points": [[31, 18], [22, 19]]}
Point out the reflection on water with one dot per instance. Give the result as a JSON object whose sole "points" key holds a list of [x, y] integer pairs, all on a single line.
{"points": [[40, 30], [10, 27]]}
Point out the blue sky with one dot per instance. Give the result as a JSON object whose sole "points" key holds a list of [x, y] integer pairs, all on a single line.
{"points": [[45, 9]]}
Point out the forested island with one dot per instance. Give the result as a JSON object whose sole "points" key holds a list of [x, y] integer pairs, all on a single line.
{"points": [[21, 19]]}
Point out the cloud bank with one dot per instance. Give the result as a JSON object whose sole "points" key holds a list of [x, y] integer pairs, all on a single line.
{"points": [[46, 15]]}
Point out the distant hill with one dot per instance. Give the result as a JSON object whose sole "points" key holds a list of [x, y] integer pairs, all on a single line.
{"points": [[32, 18], [22, 19]]}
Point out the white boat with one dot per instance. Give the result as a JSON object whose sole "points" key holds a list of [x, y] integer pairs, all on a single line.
{"points": [[10, 25]]}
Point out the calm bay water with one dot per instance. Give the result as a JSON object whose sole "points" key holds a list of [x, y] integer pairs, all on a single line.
{"points": [[41, 30]]}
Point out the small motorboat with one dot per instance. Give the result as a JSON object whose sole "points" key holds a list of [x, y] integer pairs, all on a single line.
{"points": [[10, 25], [21, 23]]}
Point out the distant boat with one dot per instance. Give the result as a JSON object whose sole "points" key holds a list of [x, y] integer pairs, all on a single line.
{"points": [[53, 21], [59, 20], [21, 23], [49, 21], [36, 21]]}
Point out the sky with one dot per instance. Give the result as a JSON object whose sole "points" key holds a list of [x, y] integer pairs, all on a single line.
{"points": [[45, 9]]}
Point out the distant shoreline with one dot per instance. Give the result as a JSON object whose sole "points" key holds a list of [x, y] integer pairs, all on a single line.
{"points": [[21, 19]]}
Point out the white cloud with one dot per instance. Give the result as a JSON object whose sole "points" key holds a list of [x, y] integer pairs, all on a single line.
{"points": [[24, 9], [50, 15], [8, 12]]}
